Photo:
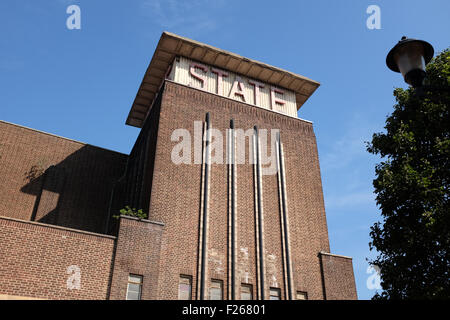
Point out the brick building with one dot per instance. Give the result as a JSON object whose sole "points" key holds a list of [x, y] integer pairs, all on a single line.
{"points": [[251, 226]]}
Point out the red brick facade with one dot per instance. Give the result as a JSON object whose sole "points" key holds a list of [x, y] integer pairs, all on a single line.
{"points": [[55, 180], [181, 106], [35, 259], [338, 277], [137, 252], [49, 184]]}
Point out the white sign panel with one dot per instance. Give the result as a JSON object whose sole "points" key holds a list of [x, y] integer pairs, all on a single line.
{"points": [[233, 86]]}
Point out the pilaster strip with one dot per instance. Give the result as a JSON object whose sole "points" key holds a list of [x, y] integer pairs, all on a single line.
{"points": [[286, 223], [281, 202], [287, 264], [255, 185], [230, 237], [233, 218], [204, 208], [260, 216]]}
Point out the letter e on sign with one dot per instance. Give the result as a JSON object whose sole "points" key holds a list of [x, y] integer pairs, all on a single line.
{"points": [[257, 95], [274, 99]]}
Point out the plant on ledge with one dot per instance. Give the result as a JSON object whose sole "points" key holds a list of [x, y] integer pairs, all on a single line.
{"points": [[131, 212]]}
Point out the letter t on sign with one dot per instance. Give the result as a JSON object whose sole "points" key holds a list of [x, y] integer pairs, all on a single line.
{"points": [[257, 85], [201, 77], [220, 75]]}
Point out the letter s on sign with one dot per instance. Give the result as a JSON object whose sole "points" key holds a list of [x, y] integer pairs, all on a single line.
{"points": [[201, 77]]}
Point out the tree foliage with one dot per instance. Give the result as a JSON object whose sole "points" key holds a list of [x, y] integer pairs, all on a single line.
{"points": [[412, 188]]}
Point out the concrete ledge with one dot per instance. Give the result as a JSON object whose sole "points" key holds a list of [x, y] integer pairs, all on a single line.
{"points": [[10, 297], [60, 137], [143, 220], [58, 227], [334, 255]]}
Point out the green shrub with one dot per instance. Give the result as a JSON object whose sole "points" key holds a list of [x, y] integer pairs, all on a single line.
{"points": [[132, 212]]}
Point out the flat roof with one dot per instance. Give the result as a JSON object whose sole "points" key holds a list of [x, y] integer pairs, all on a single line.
{"points": [[171, 45]]}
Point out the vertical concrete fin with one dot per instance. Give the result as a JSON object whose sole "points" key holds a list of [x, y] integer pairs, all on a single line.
{"points": [[202, 270], [260, 258], [287, 263], [232, 219]]}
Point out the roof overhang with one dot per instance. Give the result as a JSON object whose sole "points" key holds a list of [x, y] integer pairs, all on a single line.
{"points": [[171, 45]]}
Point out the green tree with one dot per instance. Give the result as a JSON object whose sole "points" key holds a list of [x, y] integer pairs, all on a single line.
{"points": [[412, 188]]}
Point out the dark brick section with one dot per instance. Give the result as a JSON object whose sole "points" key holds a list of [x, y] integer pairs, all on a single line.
{"points": [[34, 259], [134, 187], [339, 280], [56, 180], [137, 252], [141, 160]]}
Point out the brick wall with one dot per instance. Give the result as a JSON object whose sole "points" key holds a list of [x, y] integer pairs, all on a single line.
{"points": [[175, 198], [56, 180], [34, 261], [137, 252], [339, 280]]}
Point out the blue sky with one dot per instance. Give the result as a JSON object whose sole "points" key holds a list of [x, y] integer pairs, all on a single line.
{"points": [[80, 84]]}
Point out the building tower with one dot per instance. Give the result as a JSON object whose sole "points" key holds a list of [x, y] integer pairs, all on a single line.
{"points": [[229, 177]]}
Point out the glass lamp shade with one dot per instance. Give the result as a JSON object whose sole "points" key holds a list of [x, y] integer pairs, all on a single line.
{"points": [[409, 57]]}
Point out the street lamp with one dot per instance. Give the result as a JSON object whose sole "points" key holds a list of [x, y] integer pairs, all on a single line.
{"points": [[410, 56]]}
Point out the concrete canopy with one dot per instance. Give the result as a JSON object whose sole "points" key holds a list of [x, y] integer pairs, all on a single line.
{"points": [[171, 45]]}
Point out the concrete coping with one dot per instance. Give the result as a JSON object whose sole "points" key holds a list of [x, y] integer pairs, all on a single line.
{"points": [[143, 220], [60, 137], [13, 297], [334, 255], [58, 227]]}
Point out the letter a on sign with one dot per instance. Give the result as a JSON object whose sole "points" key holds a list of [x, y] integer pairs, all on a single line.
{"points": [[374, 20], [237, 89], [74, 20]]}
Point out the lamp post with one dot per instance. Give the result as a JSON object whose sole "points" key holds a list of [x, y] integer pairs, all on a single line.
{"points": [[409, 57]]}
